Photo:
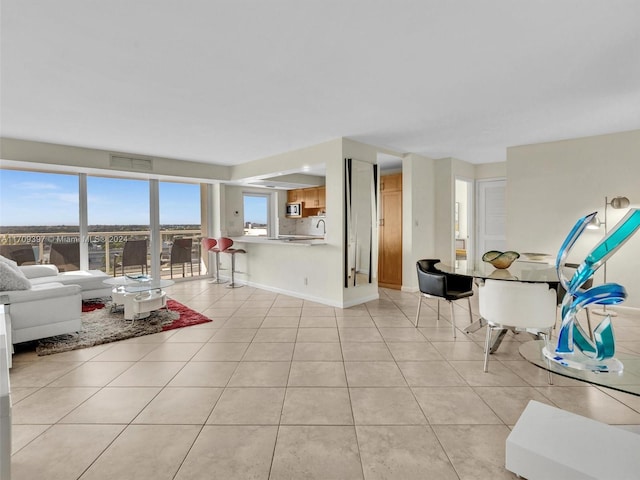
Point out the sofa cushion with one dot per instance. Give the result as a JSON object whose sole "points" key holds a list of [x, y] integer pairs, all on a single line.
{"points": [[88, 280], [44, 291], [37, 271], [12, 279]]}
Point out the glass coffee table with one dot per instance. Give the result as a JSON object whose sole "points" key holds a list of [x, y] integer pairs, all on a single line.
{"points": [[139, 295]]}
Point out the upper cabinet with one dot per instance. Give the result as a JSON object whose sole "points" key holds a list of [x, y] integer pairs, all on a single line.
{"points": [[313, 200]]}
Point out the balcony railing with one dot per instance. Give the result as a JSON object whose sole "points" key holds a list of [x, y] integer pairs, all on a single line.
{"points": [[105, 246]]}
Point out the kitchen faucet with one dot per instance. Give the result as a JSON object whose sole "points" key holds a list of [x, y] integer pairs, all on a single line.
{"points": [[324, 226]]}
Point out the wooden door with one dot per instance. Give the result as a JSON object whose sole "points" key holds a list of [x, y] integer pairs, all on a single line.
{"points": [[390, 232]]}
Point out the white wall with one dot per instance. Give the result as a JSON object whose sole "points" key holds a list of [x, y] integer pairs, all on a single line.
{"points": [[551, 185], [418, 215]]}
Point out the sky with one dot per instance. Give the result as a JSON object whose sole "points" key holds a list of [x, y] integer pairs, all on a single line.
{"points": [[33, 198]]}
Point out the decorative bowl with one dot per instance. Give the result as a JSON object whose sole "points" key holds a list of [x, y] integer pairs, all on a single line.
{"points": [[500, 259]]}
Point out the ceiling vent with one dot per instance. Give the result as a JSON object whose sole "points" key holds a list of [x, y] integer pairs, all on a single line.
{"points": [[131, 163]]}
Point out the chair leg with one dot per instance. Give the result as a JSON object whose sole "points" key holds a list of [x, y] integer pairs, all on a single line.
{"points": [[487, 344], [419, 305], [438, 320], [453, 321], [470, 315]]}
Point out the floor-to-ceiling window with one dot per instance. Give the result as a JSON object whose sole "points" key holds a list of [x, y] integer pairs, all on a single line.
{"points": [[118, 211], [39, 210], [256, 214], [180, 228]]}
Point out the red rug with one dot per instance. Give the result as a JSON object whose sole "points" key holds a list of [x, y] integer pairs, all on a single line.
{"points": [[102, 325], [187, 318]]}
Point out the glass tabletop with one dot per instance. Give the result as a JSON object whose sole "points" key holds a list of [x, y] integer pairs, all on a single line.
{"points": [[519, 271], [139, 283], [627, 381]]}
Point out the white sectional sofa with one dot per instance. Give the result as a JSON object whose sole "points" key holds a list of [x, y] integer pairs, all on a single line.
{"points": [[41, 302]]}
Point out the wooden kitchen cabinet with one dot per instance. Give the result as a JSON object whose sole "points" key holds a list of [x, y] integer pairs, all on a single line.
{"points": [[390, 232], [294, 195], [322, 197], [313, 200]]}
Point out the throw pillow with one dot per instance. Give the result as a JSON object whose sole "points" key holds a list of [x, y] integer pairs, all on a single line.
{"points": [[11, 279], [8, 261]]}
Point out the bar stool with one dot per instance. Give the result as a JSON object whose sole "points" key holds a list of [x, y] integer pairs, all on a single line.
{"points": [[225, 244], [212, 245]]}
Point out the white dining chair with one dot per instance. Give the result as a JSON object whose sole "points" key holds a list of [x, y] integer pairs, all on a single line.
{"points": [[517, 306]]}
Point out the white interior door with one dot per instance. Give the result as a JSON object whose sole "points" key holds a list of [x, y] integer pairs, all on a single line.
{"points": [[492, 216]]}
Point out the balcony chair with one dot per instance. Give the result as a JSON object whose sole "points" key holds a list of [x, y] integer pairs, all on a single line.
{"points": [[22, 254], [446, 286], [181, 254], [65, 256], [134, 253], [517, 306], [226, 246]]}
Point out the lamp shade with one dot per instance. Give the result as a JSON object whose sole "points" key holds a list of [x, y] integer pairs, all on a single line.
{"points": [[620, 202]]}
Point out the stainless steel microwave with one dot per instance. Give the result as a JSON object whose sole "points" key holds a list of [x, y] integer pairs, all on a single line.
{"points": [[294, 209]]}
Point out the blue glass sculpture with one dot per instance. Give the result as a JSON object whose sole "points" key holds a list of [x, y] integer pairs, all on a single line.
{"points": [[575, 349]]}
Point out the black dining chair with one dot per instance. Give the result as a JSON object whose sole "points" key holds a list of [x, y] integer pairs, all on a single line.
{"points": [[65, 256], [181, 254], [22, 254], [442, 286]]}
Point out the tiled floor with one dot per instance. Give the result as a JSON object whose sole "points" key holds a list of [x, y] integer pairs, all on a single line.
{"points": [[280, 388]]}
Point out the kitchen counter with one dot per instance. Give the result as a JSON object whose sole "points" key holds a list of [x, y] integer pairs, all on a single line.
{"points": [[299, 240]]}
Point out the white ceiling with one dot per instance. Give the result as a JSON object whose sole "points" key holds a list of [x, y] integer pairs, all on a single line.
{"points": [[227, 82]]}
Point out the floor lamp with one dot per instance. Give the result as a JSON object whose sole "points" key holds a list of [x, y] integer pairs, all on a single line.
{"points": [[617, 203]]}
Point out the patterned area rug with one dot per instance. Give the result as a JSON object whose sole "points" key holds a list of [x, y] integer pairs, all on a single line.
{"points": [[100, 325]]}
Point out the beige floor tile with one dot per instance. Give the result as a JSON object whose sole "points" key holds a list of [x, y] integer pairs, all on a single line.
{"points": [[632, 401], [22, 435], [592, 403], [454, 406], [190, 334], [234, 335], [219, 312], [317, 374], [230, 453], [413, 351], [141, 452], [62, 452], [348, 334], [269, 352], [260, 374], [248, 406], [402, 335], [39, 374], [175, 352], [125, 352], [317, 406], [316, 452], [402, 452], [430, 374], [48, 405], [92, 374], [318, 335], [476, 451], [242, 320], [204, 374], [443, 333], [248, 310], [277, 311], [385, 406], [317, 321], [281, 322], [328, 352], [397, 321], [112, 405], [148, 374], [288, 302], [374, 374], [460, 350], [221, 352], [276, 335], [365, 352], [19, 393], [538, 377], [80, 355], [180, 406], [361, 320], [509, 402], [317, 311], [497, 376]]}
